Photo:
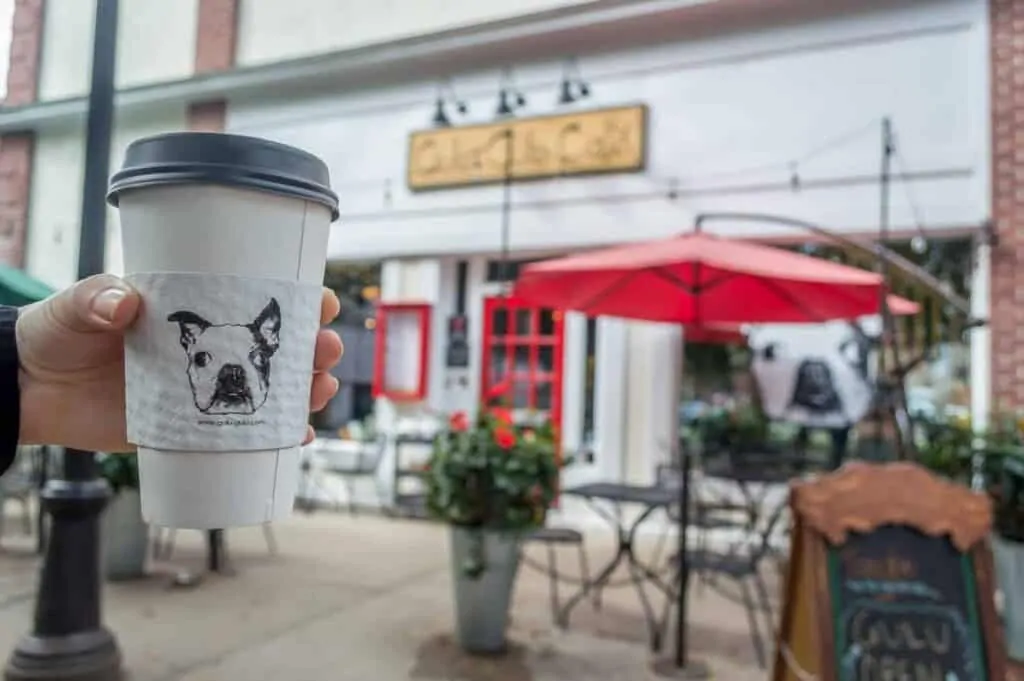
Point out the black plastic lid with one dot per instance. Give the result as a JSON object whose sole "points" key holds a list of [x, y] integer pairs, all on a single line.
{"points": [[218, 158]]}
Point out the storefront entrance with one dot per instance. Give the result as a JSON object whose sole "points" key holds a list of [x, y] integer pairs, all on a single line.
{"points": [[522, 352]]}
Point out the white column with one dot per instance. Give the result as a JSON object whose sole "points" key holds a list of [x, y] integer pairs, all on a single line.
{"points": [[574, 351], [610, 384], [409, 281], [654, 386], [981, 339], [476, 291], [980, 351]]}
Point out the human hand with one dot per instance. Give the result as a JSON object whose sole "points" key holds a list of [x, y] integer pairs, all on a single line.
{"points": [[71, 351]]}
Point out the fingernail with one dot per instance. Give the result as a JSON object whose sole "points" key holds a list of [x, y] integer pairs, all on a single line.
{"points": [[104, 304]]}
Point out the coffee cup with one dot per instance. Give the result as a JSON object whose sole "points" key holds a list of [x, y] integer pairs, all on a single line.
{"points": [[225, 237]]}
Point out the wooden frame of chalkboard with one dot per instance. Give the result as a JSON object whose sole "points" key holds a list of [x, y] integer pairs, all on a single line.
{"points": [[891, 565]]}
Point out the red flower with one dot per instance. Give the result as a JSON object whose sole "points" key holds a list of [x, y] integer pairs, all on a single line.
{"points": [[502, 416], [459, 422], [504, 438], [498, 390]]}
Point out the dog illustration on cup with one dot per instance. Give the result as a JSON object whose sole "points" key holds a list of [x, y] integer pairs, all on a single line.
{"points": [[229, 364]]}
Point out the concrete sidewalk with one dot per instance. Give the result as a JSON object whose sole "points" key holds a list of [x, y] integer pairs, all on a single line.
{"points": [[365, 598]]}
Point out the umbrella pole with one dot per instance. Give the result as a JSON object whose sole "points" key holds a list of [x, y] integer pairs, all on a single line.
{"points": [[684, 563], [681, 666]]}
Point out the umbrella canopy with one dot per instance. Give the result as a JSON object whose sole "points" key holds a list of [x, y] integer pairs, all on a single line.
{"points": [[699, 279], [733, 334], [715, 334], [901, 307], [17, 288]]}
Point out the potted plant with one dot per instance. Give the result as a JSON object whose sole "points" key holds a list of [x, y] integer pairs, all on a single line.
{"points": [[948, 450], [1008, 545], [125, 534], [491, 481]]}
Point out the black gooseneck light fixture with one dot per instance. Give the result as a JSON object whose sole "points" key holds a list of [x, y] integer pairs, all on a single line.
{"points": [[510, 98], [573, 88], [446, 96]]}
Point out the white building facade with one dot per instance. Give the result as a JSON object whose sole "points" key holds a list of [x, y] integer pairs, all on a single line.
{"points": [[749, 108]]}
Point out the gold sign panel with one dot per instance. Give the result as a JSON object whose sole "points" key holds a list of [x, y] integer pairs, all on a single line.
{"points": [[582, 143]]}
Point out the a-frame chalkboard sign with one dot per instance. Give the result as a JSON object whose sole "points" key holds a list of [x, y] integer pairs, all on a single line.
{"points": [[890, 579]]}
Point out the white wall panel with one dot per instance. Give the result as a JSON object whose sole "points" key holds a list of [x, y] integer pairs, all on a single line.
{"points": [[51, 252], [56, 194], [728, 115], [156, 43], [275, 30]]}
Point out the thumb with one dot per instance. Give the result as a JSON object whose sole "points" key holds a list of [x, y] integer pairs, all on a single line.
{"points": [[100, 303]]}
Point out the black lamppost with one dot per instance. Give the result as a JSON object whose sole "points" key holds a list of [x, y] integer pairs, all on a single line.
{"points": [[68, 641], [510, 100]]}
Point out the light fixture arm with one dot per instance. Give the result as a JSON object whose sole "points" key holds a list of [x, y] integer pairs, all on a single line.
{"points": [[875, 250]]}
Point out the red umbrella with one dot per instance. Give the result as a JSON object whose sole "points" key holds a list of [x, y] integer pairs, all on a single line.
{"points": [[732, 334], [901, 307], [699, 279], [715, 334]]}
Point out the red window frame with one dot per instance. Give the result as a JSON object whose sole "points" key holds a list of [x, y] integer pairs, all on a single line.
{"points": [[379, 389], [533, 340]]}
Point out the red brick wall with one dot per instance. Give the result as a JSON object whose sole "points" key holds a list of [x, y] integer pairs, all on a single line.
{"points": [[16, 148], [215, 35], [1007, 315], [215, 51], [26, 38], [207, 116]]}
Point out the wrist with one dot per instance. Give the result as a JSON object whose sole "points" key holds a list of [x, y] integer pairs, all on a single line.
{"points": [[29, 430], [10, 392]]}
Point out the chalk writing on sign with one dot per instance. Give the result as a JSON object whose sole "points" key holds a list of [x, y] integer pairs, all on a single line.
{"points": [[902, 609], [905, 642]]}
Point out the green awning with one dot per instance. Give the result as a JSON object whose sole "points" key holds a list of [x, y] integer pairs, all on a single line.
{"points": [[17, 288]]}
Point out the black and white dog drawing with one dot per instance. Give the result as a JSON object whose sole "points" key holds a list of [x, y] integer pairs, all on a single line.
{"points": [[815, 388], [816, 375], [229, 364]]}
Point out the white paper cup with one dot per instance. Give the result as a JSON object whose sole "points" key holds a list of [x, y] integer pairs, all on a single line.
{"points": [[217, 226]]}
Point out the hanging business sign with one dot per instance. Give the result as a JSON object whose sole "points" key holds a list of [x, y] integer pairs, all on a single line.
{"points": [[457, 351], [580, 143]]}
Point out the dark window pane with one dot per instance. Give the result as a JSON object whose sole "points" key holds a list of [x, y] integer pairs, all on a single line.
{"points": [[500, 322], [543, 396], [520, 394], [523, 319], [497, 365], [546, 358], [547, 322], [521, 361]]}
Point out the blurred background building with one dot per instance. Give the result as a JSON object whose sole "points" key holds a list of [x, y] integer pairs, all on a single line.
{"points": [[751, 105]]}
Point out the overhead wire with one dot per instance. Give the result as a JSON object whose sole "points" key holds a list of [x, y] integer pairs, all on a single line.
{"points": [[791, 166]]}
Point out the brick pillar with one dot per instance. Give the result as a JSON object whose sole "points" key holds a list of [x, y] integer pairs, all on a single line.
{"points": [[16, 148], [208, 116], [1007, 313], [215, 51]]}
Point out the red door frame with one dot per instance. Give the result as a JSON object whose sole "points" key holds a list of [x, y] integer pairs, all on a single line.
{"points": [[533, 340]]}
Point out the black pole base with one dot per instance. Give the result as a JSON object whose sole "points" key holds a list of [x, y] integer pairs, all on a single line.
{"points": [[68, 641], [692, 670], [85, 656]]}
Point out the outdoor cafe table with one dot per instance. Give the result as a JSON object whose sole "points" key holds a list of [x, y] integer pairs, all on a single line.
{"points": [[651, 498]]}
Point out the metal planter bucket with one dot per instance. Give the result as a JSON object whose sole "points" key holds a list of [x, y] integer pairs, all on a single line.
{"points": [[1009, 564], [125, 537], [484, 565]]}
